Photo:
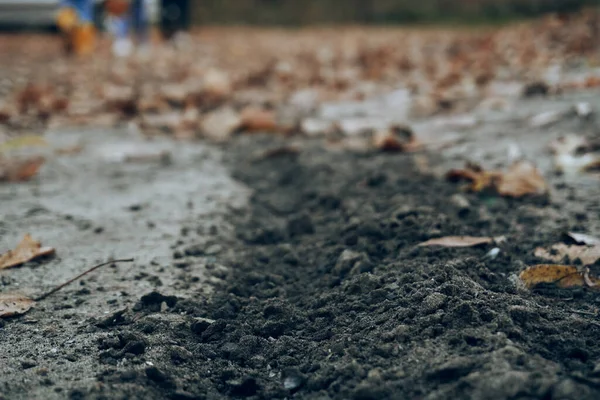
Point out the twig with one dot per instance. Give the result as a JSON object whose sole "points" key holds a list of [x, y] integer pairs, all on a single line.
{"points": [[56, 289]]}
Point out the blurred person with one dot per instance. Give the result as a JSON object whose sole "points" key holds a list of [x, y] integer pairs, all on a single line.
{"points": [[126, 16], [75, 20]]}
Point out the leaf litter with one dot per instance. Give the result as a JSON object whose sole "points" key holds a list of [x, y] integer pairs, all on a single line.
{"points": [[13, 304], [586, 251], [27, 250], [522, 178]]}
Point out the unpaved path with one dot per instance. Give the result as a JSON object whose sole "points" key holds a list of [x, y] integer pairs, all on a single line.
{"points": [[297, 276]]}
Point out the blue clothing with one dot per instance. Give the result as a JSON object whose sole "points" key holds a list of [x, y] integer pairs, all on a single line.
{"points": [[84, 9]]}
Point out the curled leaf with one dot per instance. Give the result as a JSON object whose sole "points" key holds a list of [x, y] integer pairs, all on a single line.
{"points": [[522, 178], [587, 254], [563, 276], [12, 304], [395, 139], [25, 251], [457, 241], [582, 238]]}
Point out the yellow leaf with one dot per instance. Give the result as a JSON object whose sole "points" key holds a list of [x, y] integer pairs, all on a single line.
{"points": [[563, 276], [23, 141]]}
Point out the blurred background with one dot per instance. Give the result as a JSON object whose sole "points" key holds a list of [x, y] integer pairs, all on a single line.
{"points": [[185, 13]]}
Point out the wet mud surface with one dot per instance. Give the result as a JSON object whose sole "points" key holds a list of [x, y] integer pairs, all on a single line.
{"points": [[319, 291]]}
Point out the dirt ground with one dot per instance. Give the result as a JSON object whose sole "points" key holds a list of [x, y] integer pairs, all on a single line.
{"points": [[298, 276]]}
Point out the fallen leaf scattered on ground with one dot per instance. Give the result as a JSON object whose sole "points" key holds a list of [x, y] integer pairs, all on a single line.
{"points": [[574, 154], [69, 150], [21, 142], [458, 241], [277, 152], [563, 276], [12, 304], [582, 238], [25, 251], [522, 178], [19, 169], [396, 138], [587, 254], [258, 120]]}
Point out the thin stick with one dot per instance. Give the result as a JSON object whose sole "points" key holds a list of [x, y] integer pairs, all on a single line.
{"points": [[56, 289]]}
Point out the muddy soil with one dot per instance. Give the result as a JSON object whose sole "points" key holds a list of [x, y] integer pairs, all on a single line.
{"points": [[319, 291]]}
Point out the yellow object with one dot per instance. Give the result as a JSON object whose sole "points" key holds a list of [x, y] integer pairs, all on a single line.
{"points": [[22, 142], [66, 19], [83, 39]]}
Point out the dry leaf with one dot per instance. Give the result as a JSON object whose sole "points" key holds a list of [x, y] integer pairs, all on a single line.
{"points": [[20, 169], [69, 150], [12, 304], [220, 124], [458, 241], [25, 251], [587, 254], [478, 178], [258, 120], [572, 154], [276, 152], [396, 138], [522, 178], [582, 238], [563, 276]]}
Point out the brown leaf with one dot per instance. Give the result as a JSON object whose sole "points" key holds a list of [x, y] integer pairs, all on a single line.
{"points": [[587, 254], [25, 251], [522, 178], [258, 120], [12, 304], [563, 276], [20, 169], [458, 241], [396, 139]]}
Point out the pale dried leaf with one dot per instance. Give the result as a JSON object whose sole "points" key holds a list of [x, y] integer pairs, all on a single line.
{"points": [[521, 179], [458, 241], [25, 251], [19, 169], [219, 125], [587, 254], [12, 304], [582, 238]]}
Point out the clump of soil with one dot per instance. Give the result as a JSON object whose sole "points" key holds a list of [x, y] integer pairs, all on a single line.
{"points": [[327, 296]]}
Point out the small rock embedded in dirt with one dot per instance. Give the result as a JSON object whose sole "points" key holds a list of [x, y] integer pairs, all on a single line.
{"points": [[433, 302], [152, 302], [213, 331], [300, 225], [293, 380], [200, 325], [156, 375], [351, 262], [27, 364], [245, 387], [536, 89], [461, 203]]}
